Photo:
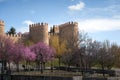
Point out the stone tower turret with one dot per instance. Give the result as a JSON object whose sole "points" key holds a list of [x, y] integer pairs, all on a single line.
{"points": [[55, 29], [39, 32], [69, 32], [2, 27]]}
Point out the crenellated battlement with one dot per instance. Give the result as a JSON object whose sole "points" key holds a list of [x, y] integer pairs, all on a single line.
{"points": [[38, 32], [1, 23], [15, 35], [38, 25], [55, 25], [69, 23], [55, 29]]}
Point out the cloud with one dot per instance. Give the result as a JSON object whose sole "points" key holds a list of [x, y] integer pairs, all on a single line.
{"points": [[107, 11], [116, 16], [78, 6], [23, 29], [28, 22], [95, 25], [110, 8]]}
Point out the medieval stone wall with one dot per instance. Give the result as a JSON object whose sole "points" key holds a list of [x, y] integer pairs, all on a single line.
{"points": [[39, 32], [16, 37], [68, 32]]}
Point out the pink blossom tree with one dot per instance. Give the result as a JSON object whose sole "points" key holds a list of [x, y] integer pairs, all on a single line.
{"points": [[43, 54], [20, 53], [17, 54], [6, 46], [29, 55]]}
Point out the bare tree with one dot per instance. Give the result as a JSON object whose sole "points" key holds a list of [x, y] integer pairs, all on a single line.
{"points": [[105, 56], [90, 53], [115, 50]]}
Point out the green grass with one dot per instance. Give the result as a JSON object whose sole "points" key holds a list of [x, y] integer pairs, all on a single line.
{"points": [[55, 63], [48, 64]]}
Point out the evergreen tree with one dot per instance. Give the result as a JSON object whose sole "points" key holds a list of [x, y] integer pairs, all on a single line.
{"points": [[11, 31]]}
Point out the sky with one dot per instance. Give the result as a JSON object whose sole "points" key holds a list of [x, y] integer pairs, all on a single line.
{"points": [[99, 18]]}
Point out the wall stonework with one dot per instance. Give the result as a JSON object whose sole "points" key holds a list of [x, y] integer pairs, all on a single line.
{"points": [[39, 32], [55, 28], [16, 37], [1, 27], [69, 33]]}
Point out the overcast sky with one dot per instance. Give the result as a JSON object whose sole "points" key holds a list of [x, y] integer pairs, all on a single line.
{"points": [[99, 18]]}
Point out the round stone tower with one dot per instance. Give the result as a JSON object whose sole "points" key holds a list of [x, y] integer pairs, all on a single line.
{"points": [[39, 32], [68, 32], [2, 27]]}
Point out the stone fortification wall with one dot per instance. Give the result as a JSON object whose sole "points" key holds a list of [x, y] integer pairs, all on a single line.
{"points": [[16, 37], [39, 32], [68, 31]]}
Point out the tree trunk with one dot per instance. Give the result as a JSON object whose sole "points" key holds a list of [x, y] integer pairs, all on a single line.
{"points": [[103, 69], [51, 66], [82, 65], [37, 65], [41, 67], [26, 67], [17, 65], [5, 64], [68, 68], [29, 65], [59, 59], [9, 65], [9, 69]]}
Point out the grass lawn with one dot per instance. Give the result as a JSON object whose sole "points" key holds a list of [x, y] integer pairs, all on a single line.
{"points": [[55, 63], [48, 64]]}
